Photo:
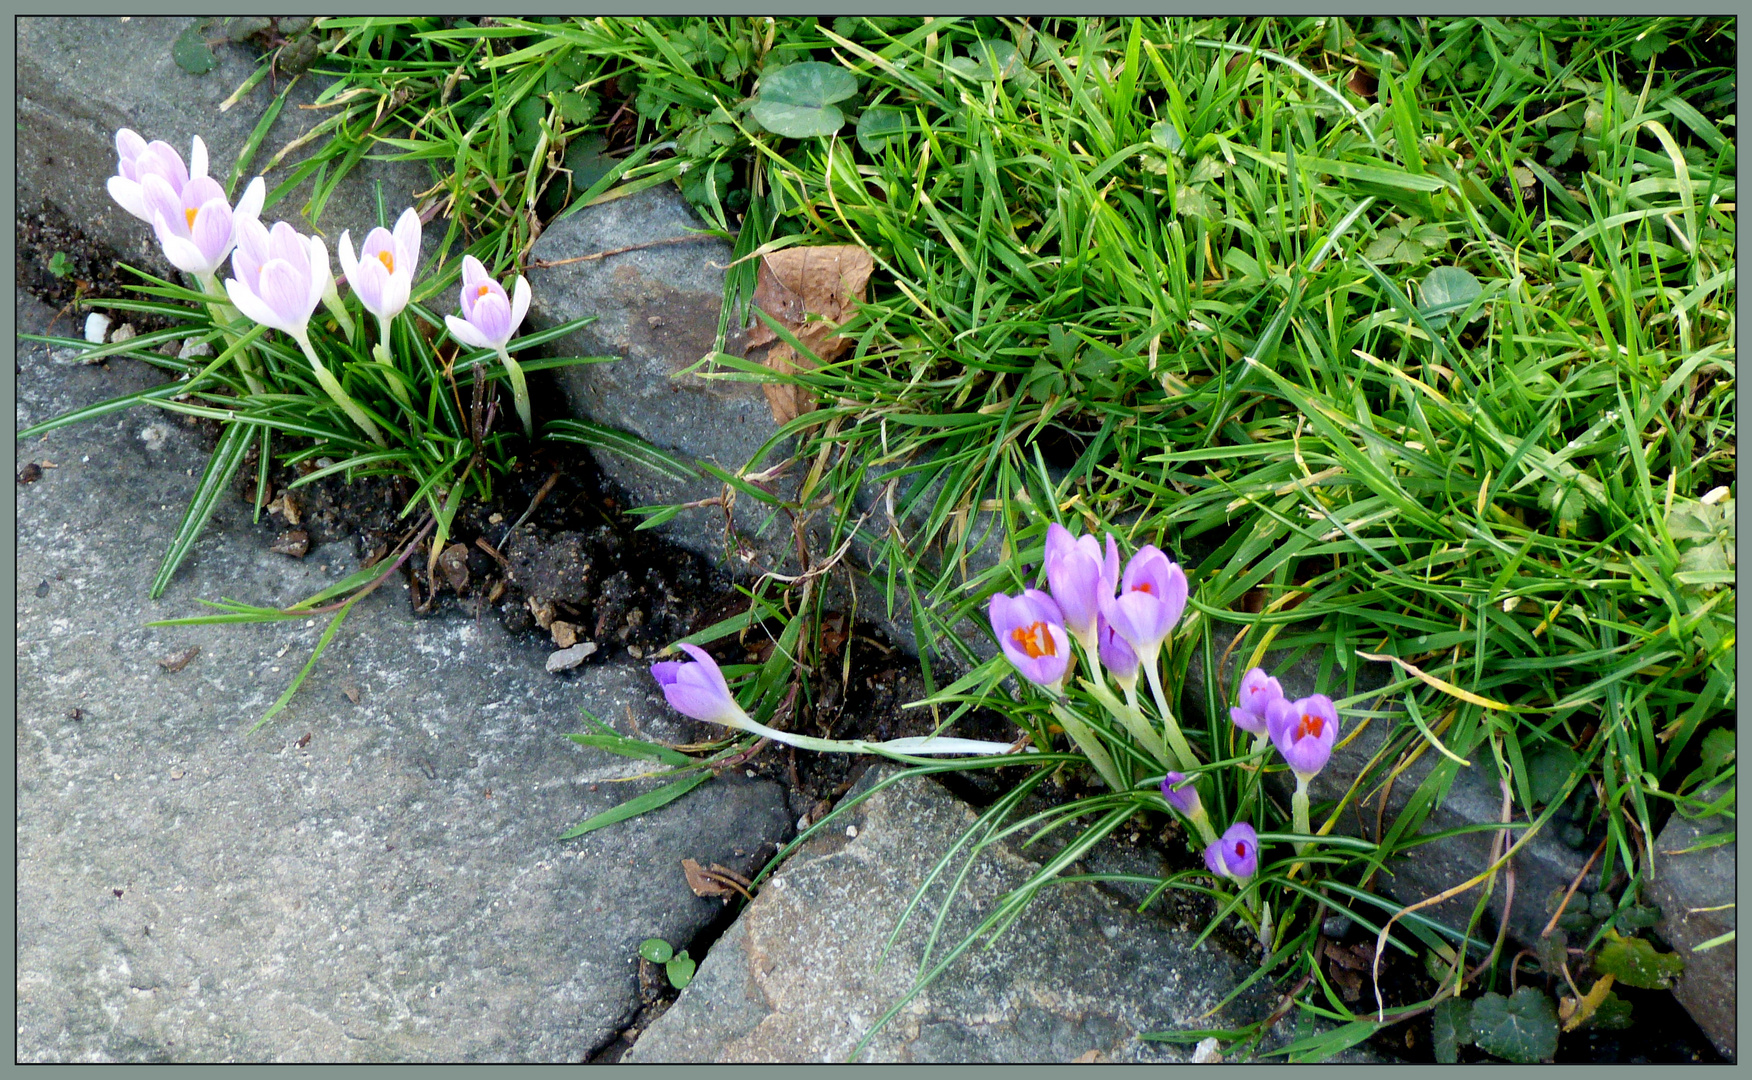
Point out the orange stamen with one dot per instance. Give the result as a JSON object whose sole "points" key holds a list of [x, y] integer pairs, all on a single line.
{"points": [[482, 291], [190, 215], [1240, 850], [1034, 640], [1143, 587], [388, 260], [1311, 726]]}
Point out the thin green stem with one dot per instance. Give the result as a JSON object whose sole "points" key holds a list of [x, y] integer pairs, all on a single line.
{"points": [[1176, 740], [392, 374], [333, 386], [1299, 811], [1087, 741], [225, 317]]}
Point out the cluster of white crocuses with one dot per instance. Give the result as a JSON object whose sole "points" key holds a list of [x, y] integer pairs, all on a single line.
{"points": [[1120, 621], [279, 276]]}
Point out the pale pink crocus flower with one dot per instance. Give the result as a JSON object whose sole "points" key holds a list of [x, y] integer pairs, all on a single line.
{"points": [[138, 159], [382, 277], [489, 318], [280, 278]]}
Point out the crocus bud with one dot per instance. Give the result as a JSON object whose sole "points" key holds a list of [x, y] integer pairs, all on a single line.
{"points": [[382, 277], [1076, 572], [138, 159], [1235, 854], [1258, 690], [281, 276], [1304, 732], [1116, 656], [488, 318], [1178, 789], [1152, 596], [698, 689], [1031, 631]]}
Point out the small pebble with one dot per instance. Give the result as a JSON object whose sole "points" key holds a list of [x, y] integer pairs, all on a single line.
{"points": [[852, 831], [1207, 1052], [567, 659], [1336, 927], [193, 348], [124, 332], [97, 325]]}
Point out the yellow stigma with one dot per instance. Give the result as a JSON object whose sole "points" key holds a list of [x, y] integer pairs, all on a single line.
{"points": [[482, 291], [388, 260], [190, 215], [1034, 640]]}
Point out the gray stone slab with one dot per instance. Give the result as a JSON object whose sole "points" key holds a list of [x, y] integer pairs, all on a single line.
{"points": [[1544, 865], [81, 78], [797, 977], [1695, 890], [390, 889]]}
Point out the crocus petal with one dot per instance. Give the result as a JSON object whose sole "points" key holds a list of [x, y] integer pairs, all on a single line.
{"points": [[461, 330], [1118, 657], [407, 242], [1110, 568], [519, 305], [212, 233], [162, 156], [182, 253], [492, 317], [284, 289], [129, 144], [698, 689], [250, 205], [253, 308], [162, 200], [200, 191], [472, 270], [129, 197], [1247, 719], [322, 278], [1075, 578], [198, 158], [349, 265], [1031, 632]]}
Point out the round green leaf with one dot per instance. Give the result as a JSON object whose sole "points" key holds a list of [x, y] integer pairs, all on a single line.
{"points": [[1164, 134], [191, 53], [680, 971], [1522, 1028], [879, 124], [796, 101], [1636, 963], [1446, 292], [656, 950]]}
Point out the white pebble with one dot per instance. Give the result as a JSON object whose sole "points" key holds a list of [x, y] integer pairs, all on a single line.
{"points": [[1206, 1053], [193, 348], [852, 831], [96, 326], [566, 659], [124, 332]]}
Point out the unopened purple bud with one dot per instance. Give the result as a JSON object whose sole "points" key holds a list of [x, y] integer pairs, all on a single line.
{"points": [[1235, 854], [1258, 691], [1178, 789]]}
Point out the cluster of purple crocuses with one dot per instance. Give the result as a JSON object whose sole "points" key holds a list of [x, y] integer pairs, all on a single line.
{"points": [[279, 275], [1120, 622]]}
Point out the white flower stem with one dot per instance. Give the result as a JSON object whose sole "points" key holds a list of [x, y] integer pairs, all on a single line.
{"points": [[225, 316], [1134, 721], [335, 391], [519, 391], [1202, 822], [1299, 811], [917, 747], [1176, 740]]}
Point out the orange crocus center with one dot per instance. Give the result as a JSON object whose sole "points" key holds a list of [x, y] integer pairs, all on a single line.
{"points": [[1240, 850], [1143, 587], [1311, 726], [387, 258], [190, 215], [1035, 640], [482, 291]]}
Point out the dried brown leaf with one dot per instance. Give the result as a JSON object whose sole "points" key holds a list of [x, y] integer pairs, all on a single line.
{"points": [[810, 291]]}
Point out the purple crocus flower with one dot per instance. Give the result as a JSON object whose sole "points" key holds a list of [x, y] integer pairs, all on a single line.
{"points": [[1303, 731], [1235, 854], [1152, 596], [1178, 789], [197, 226], [1080, 576], [698, 689], [1031, 631], [1116, 655], [382, 277], [138, 159], [1258, 690], [488, 317]]}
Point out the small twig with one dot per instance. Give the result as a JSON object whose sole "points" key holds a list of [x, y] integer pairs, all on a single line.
{"points": [[543, 264], [547, 486], [1558, 914], [375, 582]]}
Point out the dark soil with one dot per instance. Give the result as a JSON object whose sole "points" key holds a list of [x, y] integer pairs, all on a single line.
{"points": [[84, 274]]}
